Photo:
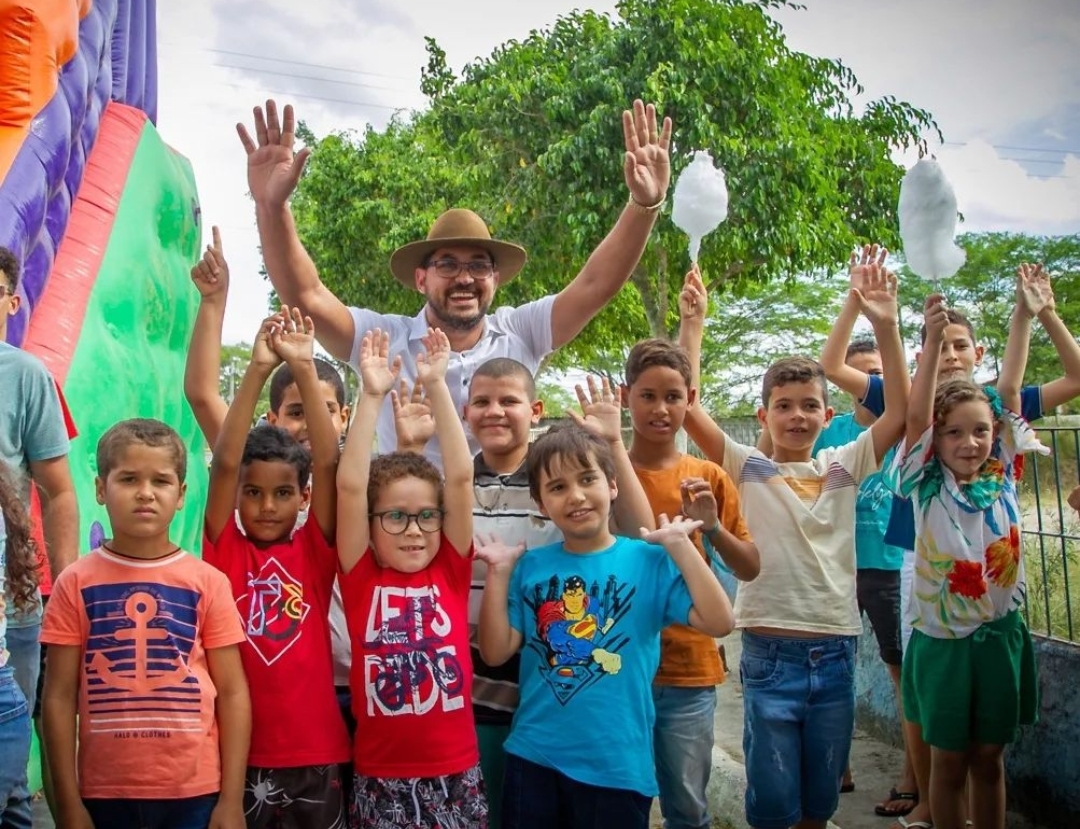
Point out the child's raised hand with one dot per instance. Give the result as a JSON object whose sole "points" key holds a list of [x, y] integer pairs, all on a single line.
{"points": [[860, 261], [431, 365], [693, 299], [600, 412], [211, 273], [497, 554], [935, 317], [263, 353], [877, 296], [414, 423], [668, 531], [1034, 293], [294, 340], [377, 373], [699, 501]]}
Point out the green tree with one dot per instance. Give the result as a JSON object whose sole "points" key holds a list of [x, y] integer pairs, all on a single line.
{"points": [[984, 289], [530, 137], [234, 362]]}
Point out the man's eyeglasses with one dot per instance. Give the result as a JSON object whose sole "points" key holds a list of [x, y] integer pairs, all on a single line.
{"points": [[395, 521], [478, 269]]}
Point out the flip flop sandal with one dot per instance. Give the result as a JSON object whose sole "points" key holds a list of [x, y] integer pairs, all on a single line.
{"points": [[915, 824], [912, 799], [846, 788]]}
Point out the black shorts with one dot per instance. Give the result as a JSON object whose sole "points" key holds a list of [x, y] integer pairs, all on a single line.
{"points": [[308, 796], [878, 594]]}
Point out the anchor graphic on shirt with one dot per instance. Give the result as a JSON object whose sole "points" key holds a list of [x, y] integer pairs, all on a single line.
{"points": [[141, 608]]}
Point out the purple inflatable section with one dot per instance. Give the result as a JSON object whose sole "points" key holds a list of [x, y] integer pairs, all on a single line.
{"points": [[117, 59]]}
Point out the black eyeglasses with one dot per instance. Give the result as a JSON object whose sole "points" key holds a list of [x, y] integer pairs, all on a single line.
{"points": [[395, 521], [479, 269]]}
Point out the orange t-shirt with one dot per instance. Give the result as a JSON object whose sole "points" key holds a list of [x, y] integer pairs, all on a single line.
{"points": [[688, 658], [146, 701]]}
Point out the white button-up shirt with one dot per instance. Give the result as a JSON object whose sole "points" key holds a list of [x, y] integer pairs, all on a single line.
{"points": [[522, 334]]}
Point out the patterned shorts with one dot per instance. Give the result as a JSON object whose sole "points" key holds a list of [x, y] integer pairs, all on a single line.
{"points": [[453, 801], [304, 797]]}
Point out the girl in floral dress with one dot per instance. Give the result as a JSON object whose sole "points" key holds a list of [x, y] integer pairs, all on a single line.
{"points": [[969, 671]]}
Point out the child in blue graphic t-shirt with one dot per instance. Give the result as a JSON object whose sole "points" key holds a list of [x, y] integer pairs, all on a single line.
{"points": [[586, 615]]}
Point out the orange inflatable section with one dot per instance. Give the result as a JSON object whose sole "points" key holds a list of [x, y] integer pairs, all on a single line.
{"points": [[37, 37]]}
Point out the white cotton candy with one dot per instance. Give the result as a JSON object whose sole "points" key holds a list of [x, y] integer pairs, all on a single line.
{"points": [[928, 222], [700, 200]]}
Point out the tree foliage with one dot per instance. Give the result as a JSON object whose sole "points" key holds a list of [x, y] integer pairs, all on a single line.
{"points": [[530, 137], [234, 362], [984, 290]]}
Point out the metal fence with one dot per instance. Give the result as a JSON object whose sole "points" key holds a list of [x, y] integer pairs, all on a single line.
{"points": [[1051, 537]]}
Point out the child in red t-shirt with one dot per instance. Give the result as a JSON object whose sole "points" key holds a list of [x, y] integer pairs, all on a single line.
{"points": [[404, 543], [281, 578]]}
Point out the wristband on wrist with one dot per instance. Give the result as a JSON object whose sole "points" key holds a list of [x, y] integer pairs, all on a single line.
{"points": [[646, 209], [715, 528]]}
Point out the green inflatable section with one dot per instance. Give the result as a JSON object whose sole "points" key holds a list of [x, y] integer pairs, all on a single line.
{"points": [[129, 361]]}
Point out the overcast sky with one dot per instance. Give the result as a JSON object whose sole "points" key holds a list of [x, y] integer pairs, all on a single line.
{"points": [[1001, 77]]}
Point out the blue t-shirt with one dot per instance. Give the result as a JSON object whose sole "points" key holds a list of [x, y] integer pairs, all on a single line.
{"points": [[590, 624], [31, 429], [872, 505], [901, 529]]}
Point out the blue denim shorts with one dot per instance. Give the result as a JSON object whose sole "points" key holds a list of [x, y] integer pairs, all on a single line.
{"points": [[14, 735], [799, 717]]}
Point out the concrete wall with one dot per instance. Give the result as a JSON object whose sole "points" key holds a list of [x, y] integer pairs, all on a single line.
{"points": [[1043, 766]]}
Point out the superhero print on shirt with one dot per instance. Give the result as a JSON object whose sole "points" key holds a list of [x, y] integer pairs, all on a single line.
{"points": [[410, 666], [138, 683], [273, 610], [576, 631]]}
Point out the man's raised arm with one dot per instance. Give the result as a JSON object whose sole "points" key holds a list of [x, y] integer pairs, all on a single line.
{"points": [[648, 173], [273, 172]]}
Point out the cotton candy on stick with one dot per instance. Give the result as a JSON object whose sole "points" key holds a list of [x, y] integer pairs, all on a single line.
{"points": [[700, 200], [927, 213]]}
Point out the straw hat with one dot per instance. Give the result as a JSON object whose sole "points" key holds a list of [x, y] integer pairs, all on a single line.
{"points": [[456, 227]]}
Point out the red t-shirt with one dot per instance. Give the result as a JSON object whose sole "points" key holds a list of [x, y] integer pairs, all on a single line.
{"points": [[411, 674], [283, 595]]}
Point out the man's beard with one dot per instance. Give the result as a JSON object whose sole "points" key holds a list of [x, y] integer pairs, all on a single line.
{"points": [[457, 322]]}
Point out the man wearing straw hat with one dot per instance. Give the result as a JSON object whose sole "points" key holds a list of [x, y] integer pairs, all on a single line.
{"points": [[457, 267]]}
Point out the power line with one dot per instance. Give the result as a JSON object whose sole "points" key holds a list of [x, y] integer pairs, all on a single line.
{"points": [[320, 98], [294, 62], [260, 71], [1014, 148]]}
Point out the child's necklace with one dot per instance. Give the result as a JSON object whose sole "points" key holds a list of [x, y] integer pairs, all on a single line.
{"points": [[130, 557]]}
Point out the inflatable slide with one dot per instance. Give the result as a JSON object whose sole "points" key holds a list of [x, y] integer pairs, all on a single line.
{"points": [[104, 218]]}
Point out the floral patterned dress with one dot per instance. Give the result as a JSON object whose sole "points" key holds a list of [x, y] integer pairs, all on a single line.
{"points": [[968, 564]]}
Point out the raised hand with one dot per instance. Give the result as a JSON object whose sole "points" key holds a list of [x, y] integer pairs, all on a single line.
{"points": [[877, 297], [668, 531], [693, 299], [1034, 293], [262, 352], [211, 273], [377, 372], [699, 501], [601, 414], [294, 340], [431, 365], [647, 167], [860, 261], [273, 168], [935, 317], [414, 423], [495, 553]]}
